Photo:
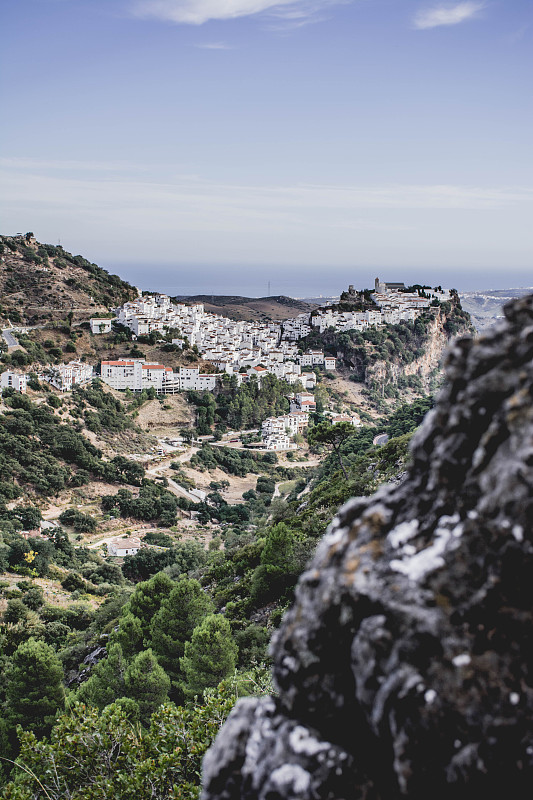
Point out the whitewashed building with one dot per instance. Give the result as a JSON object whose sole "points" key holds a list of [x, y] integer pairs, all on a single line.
{"points": [[136, 374], [14, 380], [100, 325], [279, 441], [305, 402], [124, 547], [65, 376]]}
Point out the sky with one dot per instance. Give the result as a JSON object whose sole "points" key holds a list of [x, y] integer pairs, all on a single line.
{"points": [[282, 146]]}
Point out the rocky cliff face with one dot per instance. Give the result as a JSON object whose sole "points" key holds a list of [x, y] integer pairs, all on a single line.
{"points": [[425, 366], [405, 666]]}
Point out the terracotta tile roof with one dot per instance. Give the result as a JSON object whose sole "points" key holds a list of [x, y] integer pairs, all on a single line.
{"points": [[119, 363]]}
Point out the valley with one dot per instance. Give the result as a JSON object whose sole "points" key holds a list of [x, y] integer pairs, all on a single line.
{"points": [[139, 520]]}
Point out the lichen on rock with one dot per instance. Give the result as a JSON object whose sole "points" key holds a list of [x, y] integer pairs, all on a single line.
{"points": [[405, 666]]}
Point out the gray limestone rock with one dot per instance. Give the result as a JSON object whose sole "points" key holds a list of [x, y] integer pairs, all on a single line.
{"points": [[405, 666]]}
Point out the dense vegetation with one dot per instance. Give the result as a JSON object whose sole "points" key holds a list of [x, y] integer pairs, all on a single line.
{"points": [[100, 409], [113, 670], [39, 452], [94, 754], [153, 503], [234, 462], [240, 407]]}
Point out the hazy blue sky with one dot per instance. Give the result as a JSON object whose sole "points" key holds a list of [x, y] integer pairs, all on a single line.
{"points": [[213, 145]]}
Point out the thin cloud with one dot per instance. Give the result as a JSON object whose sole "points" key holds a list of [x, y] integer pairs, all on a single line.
{"points": [[446, 15], [213, 46], [197, 12], [158, 215], [151, 189]]}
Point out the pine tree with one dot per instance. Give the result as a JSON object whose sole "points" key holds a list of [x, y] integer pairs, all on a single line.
{"points": [[106, 683], [147, 683], [35, 687], [129, 634], [210, 656], [174, 624], [146, 600]]}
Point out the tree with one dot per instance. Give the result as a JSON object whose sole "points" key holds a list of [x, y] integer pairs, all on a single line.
{"points": [[277, 571], [174, 624], [210, 656], [93, 755], [333, 435], [34, 690], [33, 597], [147, 683], [279, 547], [129, 634], [29, 516], [82, 523], [146, 600], [107, 680], [16, 611]]}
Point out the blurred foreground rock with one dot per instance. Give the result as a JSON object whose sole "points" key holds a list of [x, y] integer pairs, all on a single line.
{"points": [[405, 666]]}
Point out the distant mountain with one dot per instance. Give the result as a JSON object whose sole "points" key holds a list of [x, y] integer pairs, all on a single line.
{"points": [[485, 307], [40, 282], [250, 308]]}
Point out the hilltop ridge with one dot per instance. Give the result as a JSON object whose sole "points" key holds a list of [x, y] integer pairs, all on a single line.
{"points": [[43, 281], [237, 307]]}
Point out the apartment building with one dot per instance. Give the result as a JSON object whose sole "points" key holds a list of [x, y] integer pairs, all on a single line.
{"points": [[134, 374], [14, 380], [279, 441], [305, 402]]}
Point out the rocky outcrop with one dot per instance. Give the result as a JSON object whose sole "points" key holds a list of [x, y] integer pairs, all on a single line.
{"points": [[427, 366], [405, 666]]}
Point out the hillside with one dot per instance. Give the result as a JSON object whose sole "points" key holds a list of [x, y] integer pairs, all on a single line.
{"points": [[260, 309], [85, 622], [40, 282]]}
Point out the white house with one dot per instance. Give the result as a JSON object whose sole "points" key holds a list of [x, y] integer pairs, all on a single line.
{"points": [[308, 380], [279, 441], [191, 378], [14, 380], [124, 547], [354, 420], [305, 401], [100, 325]]}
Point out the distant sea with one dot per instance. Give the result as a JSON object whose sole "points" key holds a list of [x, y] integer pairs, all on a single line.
{"points": [[261, 281]]}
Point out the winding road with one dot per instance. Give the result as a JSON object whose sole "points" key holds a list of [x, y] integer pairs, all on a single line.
{"points": [[9, 339]]}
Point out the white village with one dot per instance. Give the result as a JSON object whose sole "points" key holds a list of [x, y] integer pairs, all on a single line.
{"points": [[242, 349]]}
